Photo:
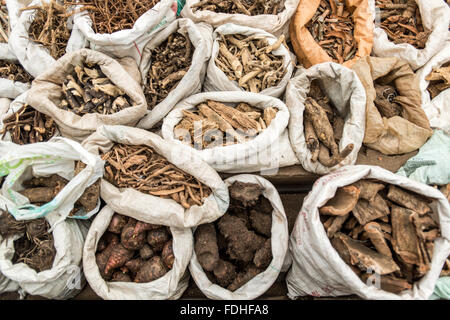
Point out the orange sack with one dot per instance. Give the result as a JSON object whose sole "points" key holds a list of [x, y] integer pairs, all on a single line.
{"points": [[309, 52]]}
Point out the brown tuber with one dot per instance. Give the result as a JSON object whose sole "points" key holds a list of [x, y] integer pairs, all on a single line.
{"points": [[206, 247], [151, 270]]}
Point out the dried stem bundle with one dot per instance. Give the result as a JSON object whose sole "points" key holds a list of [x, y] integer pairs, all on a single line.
{"points": [[141, 168], [14, 72], [49, 27], [111, 16], [247, 7], [332, 27], [439, 80], [170, 62], [205, 125], [88, 90], [402, 22], [28, 125], [250, 61], [5, 28]]}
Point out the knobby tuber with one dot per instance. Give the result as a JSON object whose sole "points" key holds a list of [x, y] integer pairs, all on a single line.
{"points": [[206, 247]]}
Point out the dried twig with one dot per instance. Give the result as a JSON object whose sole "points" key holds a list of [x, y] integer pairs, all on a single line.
{"points": [[4, 23], [14, 72], [247, 7]]}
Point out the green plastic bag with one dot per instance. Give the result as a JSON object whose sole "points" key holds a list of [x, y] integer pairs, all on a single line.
{"points": [[442, 289]]}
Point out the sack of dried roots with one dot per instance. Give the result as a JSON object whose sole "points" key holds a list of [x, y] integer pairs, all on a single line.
{"points": [[87, 89], [371, 233]]}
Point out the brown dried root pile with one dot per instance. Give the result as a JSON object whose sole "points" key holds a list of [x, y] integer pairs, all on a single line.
{"points": [[4, 23], [378, 226], [439, 80], [49, 27], [14, 72], [446, 270], [29, 126], [237, 247], [323, 127], [111, 16], [170, 62], [88, 90], [332, 28], [213, 124], [250, 61], [402, 22], [248, 7], [134, 251], [35, 248], [141, 168]]}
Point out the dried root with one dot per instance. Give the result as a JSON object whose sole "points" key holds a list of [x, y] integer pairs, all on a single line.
{"points": [[250, 61], [247, 7], [14, 72], [5, 28], [385, 101], [141, 168], [439, 80]]}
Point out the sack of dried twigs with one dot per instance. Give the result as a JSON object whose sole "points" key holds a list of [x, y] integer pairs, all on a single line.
{"points": [[86, 89], [328, 30], [364, 230], [434, 83], [331, 138], [413, 30], [253, 232], [173, 67], [123, 29], [40, 261], [131, 256], [237, 64], [269, 15], [395, 120], [233, 131], [145, 174]]}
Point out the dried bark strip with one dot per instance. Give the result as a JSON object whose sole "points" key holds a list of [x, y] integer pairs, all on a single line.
{"points": [[439, 80]]}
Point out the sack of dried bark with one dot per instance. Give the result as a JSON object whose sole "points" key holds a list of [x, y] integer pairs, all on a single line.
{"points": [[434, 83], [121, 32], [269, 149], [170, 286], [272, 16], [395, 120], [173, 78], [279, 235], [321, 29], [41, 178], [278, 71], [343, 88], [47, 95], [319, 270], [435, 17], [169, 210], [65, 278]]}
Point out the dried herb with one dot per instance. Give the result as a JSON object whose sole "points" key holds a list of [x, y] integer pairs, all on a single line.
{"points": [[88, 90], [247, 7], [332, 27], [402, 22], [141, 168], [28, 125], [14, 72], [4, 23], [170, 61], [250, 61], [439, 80]]}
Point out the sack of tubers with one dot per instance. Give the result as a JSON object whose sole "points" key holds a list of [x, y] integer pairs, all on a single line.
{"points": [[86, 89], [380, 236], [42, 257], [395, 120], [143, 171], [56, 176], [232, 131], [173, 67], [434, 84], [339, 31], [240, 255], [412, 30], [269, 15], [130, 257], [248, 59], [124, 28], [327, 123]]}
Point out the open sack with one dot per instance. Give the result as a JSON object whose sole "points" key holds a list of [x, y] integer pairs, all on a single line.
{"points": [[170, 286], [385, 130], [319, 270], [169, 212], [191, 82], [46, 94], [259, 284], [346, 92]]}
